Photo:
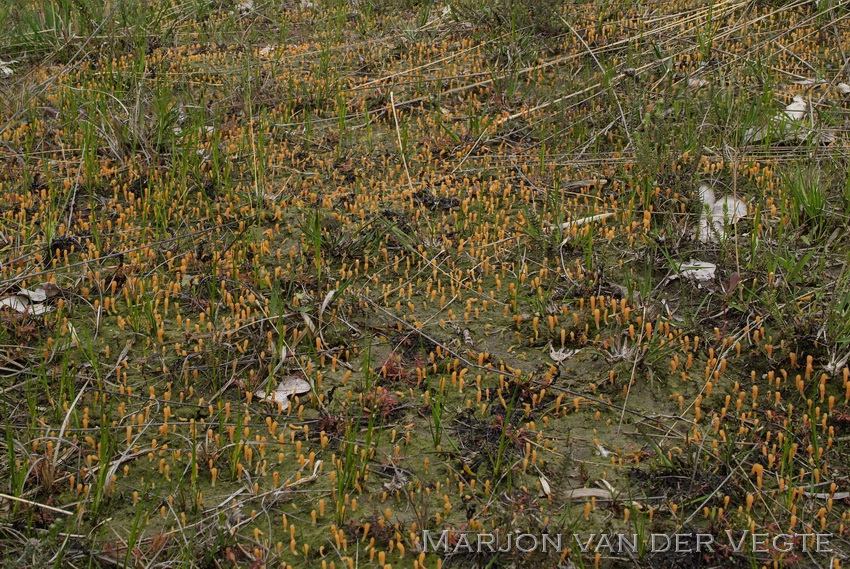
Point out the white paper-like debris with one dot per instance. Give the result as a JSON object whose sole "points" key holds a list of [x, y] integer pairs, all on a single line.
{"points": [[699, 271], [796, 110], [824, 136], [786, 124], [6, 68], [39, 309], [695, 83], [289, 386], [843, 88], [809, 82], [755, 134], [602, 451], [245, 6], [718, 214]]}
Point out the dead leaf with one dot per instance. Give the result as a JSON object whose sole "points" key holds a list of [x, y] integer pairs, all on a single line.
{"points": [[6, 68], [699, 271], [561, 355], [328, 298], [42, 293], [289, 386], [583, 221], [309, 322], [29, 301], [586, 220], [306, 479], [827, 495], [809, 82], [587, 493], [544, 486], [604, 484], [398, 482], [75, 339], [695, 83]]}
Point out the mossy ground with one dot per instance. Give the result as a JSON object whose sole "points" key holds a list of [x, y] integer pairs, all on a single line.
{"points": [[389, 200]]}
